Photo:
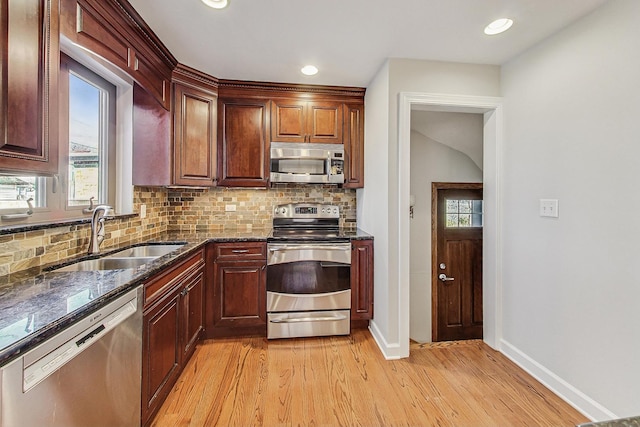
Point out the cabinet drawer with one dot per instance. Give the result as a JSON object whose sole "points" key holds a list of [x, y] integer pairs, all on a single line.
{"points": [[159, 285], [243, 250]]}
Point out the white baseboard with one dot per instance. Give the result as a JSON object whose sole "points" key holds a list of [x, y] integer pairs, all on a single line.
{"points": [[574, 397], [389, 351]]}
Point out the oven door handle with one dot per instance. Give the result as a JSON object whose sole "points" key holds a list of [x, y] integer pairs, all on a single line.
{"points": [[326, 264], [310, 247], [310, 319]]}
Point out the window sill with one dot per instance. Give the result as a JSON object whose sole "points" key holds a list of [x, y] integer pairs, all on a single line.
{"points": [[22, 228]]}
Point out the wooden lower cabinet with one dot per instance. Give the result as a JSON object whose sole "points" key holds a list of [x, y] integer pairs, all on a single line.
{"points": [[193, 306], [361, 282], [161, 353], [237, 293], [173, 320]]}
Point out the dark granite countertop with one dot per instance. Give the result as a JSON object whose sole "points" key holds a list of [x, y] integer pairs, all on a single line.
{"points": [[622, 422], [37, 303], [356, 234]]}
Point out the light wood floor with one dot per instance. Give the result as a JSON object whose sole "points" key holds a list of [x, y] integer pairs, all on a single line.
{"points": [[345, 381]]}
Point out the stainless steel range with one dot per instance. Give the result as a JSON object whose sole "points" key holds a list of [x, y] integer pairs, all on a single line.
{"points": [[308, 273]]}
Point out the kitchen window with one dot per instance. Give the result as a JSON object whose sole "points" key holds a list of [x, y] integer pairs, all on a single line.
{"points": [[89, 153], [90, 144]]}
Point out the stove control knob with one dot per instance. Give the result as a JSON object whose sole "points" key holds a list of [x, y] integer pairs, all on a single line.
{"points": [[283, 211]]}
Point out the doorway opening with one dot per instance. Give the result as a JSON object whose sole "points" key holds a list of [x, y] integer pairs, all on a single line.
{"points": [[492, 112]]}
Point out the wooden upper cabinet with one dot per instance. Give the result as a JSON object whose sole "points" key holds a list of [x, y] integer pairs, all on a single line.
{"points": [[152, 141], [194, 136], [354, 145], [84, 25], [243, 142], [29, 69], [293, 120], [151, 74], [183, 154], [288, 122], [114, 32], [324, 122]]}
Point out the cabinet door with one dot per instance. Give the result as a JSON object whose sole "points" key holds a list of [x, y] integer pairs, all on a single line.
{"points": [[29, 68], [86, 26], [240, 294], [193, 306], [324, 122], [243, 142], [362, 280], [161, 352], [288, 121], [354, 145], [194, 136]]}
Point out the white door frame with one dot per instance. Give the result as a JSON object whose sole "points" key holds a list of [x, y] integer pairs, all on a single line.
{"points": [[491, 108]]}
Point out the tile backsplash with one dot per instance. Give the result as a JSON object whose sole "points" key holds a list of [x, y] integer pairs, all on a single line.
{"points": [[205, 210], [23, 250], [170, 210]]}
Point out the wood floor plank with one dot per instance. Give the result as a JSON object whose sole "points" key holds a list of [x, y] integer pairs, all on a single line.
{"points": [[345, 381]]}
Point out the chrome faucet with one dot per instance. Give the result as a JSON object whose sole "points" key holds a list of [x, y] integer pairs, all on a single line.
{"points": [[97, 228]]}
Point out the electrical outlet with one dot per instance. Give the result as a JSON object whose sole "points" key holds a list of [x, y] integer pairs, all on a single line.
{"points": [[549, 208], [230, 208], [143, 211]]}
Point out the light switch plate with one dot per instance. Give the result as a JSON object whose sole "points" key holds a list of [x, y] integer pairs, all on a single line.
{"points": [[549, 208], [230, 208], [143, 211]]}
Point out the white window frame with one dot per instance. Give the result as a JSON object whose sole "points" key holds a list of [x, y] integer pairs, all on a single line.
{"points": [[121, 197]]}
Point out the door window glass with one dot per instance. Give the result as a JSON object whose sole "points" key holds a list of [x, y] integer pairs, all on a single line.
{"points": [[463, 213]]}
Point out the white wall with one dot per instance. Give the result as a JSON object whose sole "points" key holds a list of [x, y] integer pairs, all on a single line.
{"points": [[460, 131], [372, 200], [571, 300], [380, 210], [433, 161]]}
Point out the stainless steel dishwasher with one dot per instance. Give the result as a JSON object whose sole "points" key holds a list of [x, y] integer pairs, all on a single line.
{"points": [[86, 375]]}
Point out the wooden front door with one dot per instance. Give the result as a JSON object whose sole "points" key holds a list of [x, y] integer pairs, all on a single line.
{"points": [[457, 261]]}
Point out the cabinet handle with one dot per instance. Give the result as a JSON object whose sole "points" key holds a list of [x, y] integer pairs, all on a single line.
{"points": [[22, 215], [240, 251]]}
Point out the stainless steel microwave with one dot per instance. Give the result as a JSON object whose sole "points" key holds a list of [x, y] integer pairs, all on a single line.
{"points": [[307, 163]]}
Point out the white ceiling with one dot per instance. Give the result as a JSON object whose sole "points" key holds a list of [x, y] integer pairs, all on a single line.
{"points": [[348, 40]]}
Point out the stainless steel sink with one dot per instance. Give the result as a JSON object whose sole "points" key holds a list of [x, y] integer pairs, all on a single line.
{"points": [[153, 251], [107, 263]]}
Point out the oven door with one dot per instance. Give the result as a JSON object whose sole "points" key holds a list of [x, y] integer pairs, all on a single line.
{"points": [[308, 268]]}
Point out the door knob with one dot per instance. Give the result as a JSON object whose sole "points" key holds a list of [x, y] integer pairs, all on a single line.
{"points": [[444, 277]]}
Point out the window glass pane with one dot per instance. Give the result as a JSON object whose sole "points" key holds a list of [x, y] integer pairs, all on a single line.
{"points": [[452, 206], [452, 220], [85, 139], [464, 220], [464, 206], [16, 190], [476, 220], [477, 206]]}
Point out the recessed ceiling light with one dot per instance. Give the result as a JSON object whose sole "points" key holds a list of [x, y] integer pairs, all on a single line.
{"points": [[498, 26], [216, 4], [309, 70]]}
